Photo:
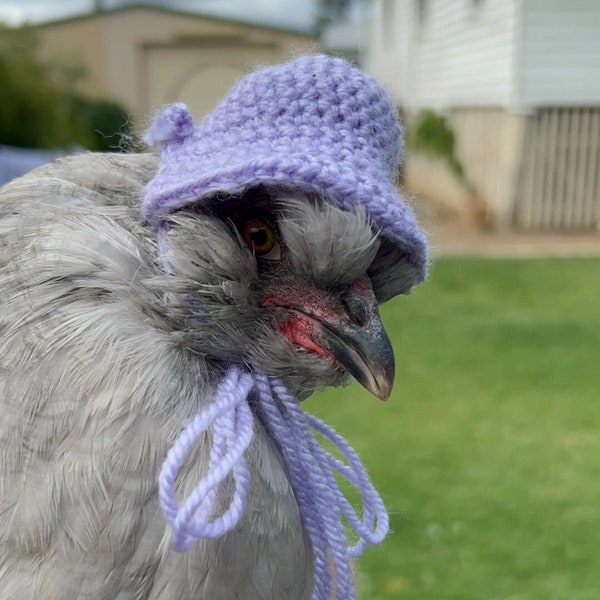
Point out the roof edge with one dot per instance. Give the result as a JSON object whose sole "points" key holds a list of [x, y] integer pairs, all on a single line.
{"points": [[175, 12]]}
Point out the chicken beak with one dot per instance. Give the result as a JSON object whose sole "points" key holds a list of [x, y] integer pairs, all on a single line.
{"points": [[344, 327], [360, 344]]}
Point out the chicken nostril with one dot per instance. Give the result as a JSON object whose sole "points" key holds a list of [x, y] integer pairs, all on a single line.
{"points": [[356, 309]]}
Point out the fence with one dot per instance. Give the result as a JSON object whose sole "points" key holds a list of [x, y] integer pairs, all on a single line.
{"points": [[559, 181]]}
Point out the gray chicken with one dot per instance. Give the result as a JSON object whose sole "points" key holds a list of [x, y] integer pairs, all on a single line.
{"points": [[267, 236]]}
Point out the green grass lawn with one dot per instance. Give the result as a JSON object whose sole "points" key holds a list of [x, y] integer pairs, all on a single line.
{"points": [[488, 452]]}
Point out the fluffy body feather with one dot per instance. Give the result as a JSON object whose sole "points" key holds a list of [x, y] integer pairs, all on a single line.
{"points": [[103, 358]]}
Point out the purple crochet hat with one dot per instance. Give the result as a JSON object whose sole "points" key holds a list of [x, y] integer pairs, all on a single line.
{"points": [[315, 124]]}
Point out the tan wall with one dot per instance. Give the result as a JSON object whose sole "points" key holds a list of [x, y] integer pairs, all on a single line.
{"points": [[488, 143], [80, 42], [195, 77], [431, 179], [198, 76], [145, 57]]}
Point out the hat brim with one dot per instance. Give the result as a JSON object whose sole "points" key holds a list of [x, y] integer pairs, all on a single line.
{"points": [[402, 260]]}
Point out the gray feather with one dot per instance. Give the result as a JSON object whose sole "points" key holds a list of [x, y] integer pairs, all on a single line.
{"points": [[326, 243], [88, 417], [104, 357]]}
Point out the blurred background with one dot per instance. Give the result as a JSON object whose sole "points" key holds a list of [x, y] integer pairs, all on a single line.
{"points": [[487, 454]]}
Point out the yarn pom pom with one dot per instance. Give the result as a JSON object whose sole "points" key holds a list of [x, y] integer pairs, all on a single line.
{"points": [[173, 124]]}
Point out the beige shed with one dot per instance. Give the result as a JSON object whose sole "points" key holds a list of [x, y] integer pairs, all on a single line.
{"points": [[145, 56]]}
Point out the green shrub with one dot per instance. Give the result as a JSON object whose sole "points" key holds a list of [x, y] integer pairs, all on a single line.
{"points": [[40, 106], [433, 136], [33, 113], [102, 125]]}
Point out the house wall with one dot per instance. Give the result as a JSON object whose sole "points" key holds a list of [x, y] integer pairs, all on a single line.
{"points": [[448, 53], [83, 43], [388, 53], [488, 145], [559, 53], [458, 58], [191, 75]]}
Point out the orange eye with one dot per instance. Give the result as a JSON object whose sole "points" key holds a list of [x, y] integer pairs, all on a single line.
{"points": [[259, 237]]}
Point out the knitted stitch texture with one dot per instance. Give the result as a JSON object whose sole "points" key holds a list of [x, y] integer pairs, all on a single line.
{"points": [[314, 124]]}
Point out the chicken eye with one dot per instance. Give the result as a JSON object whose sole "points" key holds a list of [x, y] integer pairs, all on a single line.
{"points": [[260, 238]]}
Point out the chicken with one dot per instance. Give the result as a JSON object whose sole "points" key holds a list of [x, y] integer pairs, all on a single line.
{"points": [[251, 277]]}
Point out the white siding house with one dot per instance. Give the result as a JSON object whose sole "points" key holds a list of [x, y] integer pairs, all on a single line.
{"points": [[519, 81], [445, 53]]}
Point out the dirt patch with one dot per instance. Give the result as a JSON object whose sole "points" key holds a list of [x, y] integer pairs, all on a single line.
{"points": [[453, 235]]}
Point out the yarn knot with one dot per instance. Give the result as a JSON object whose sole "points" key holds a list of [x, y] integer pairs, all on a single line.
{"points": [[323, 507]]}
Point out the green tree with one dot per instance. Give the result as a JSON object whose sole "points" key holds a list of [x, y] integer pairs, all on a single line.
{"points": [[102, 125], [32, 112], [39, 103]]}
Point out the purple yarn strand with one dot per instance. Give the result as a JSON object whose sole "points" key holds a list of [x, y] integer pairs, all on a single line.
{"points": [[327, 505], [192, 520], [311, 469], [299, 467], [374, 526]]}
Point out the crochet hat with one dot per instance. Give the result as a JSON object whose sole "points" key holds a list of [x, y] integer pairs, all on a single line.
{"points": [[315, 124]]}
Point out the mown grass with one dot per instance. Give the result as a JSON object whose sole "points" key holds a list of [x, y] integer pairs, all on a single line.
{"points": [[488, 452]]}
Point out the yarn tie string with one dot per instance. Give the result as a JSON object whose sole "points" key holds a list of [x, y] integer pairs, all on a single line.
{"points": [[239, 399], [231, 422]]}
